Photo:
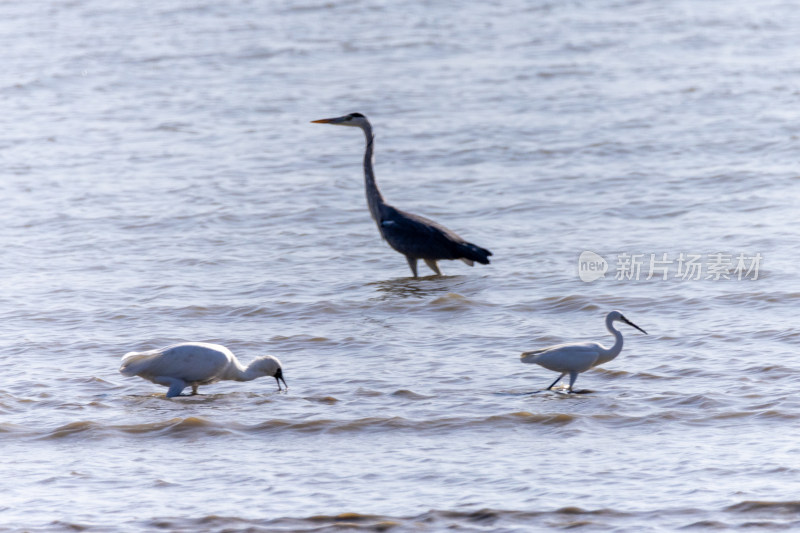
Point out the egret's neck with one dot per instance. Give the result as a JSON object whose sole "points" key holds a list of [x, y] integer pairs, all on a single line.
{"points": [[374, 198], [610, 353]]}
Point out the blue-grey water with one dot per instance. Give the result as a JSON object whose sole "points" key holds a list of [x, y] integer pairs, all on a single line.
{"points": [[161, 182]]}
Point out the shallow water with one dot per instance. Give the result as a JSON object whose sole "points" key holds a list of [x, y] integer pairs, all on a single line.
{"points": [[162, 183]]}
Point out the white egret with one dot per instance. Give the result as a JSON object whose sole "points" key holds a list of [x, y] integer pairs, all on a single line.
{"points": [[575, 358], [196, 363]]}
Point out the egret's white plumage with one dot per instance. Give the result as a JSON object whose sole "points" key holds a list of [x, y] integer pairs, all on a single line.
{"points": [[196, 363], [575, 358]]}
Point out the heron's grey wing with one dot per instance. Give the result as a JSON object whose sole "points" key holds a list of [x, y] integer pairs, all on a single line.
{"points": [[418, 236]]}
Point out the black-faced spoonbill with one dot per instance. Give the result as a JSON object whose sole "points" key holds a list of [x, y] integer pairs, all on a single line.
{"points": [[196, 363], [413, 236], [575, 358]]}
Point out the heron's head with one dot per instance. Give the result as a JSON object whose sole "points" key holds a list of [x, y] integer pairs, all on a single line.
{"points": [[616, 316], [353, 119], [268, 365]]}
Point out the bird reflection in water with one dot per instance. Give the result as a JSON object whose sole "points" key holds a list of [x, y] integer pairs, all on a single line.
{"points": [[410, 287]]}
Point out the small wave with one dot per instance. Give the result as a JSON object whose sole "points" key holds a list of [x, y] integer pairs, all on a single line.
{"points": [[11, 428], [196, 426], [699, 401], [696, 410], [433, 520], [172, 427], [174, 127], [306, 341], [60, 525], [488, 519], [70, 429], [435, 424], [452, 302], [791, 507], [328, 400], [708, 525], [411, 395], [571, 302]]}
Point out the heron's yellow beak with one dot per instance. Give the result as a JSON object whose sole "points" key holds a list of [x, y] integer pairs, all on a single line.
{"points": [[322, 121]]}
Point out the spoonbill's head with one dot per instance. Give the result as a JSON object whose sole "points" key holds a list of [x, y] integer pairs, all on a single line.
{"points": [[353, 119], [616, 316], [268, 365]]}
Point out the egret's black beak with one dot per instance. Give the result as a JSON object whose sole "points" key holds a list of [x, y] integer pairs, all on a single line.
{"points": [[279, 378], [634, 325]]}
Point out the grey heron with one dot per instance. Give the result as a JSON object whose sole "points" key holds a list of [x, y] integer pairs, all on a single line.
{"points": [[414, 236], [575, 358]]}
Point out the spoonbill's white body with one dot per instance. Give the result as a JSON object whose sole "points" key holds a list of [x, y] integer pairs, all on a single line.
{"points": [[196, 363], [575, 358]]}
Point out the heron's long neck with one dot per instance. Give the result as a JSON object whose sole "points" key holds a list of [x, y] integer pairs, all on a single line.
{"points": [[374, 198], [610, 353]]}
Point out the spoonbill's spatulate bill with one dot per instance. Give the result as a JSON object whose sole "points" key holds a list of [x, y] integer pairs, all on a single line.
{"points": [[413, 236], [575, 358], [194, 364]]}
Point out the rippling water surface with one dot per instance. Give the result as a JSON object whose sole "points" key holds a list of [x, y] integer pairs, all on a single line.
{"points": [[161, 182]]}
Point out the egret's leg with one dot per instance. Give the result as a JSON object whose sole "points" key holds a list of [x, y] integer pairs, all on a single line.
{"points": [[175, 385], [556, 381], [433, 266], [194, 390], [572, 377], [412, 262]]}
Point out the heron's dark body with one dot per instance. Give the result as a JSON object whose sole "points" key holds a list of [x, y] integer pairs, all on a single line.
{"points": [[421, 238]]}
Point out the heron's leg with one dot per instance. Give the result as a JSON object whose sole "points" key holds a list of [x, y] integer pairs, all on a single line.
{"points": [[194, 390], [412, 262], [175, 385], [433, 266], [572, 377], [556, 381]]}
